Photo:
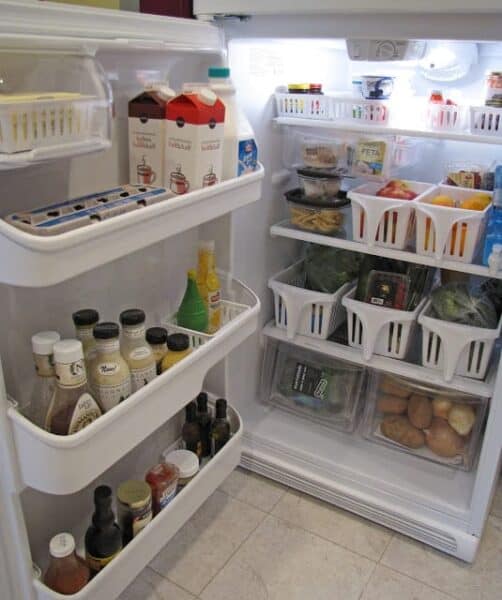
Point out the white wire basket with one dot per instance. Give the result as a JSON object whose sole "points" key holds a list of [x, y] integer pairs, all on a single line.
{"points": [[306, 106], [379, 330], [444, 117], [486, 120], [305, 312], [449, 232], [456, 349]]}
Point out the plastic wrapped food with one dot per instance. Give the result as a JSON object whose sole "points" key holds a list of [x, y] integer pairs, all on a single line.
{"points": [[456, 303], [327, 269]]}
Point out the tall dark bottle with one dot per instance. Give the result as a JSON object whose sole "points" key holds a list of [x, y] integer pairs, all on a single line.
{"points": [[204, 419], [103, 540], [191, 430], [220, 428]]}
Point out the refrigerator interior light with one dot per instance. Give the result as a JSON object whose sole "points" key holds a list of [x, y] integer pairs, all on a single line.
{"points": [[448, 61]]}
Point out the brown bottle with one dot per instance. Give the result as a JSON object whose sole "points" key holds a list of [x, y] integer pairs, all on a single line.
{"points": [[67, 573], [191, 430], [220, 429], [204, 419]]}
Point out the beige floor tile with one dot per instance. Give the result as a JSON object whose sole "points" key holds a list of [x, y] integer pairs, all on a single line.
{"points": [[283, 562], [497, 501], [339, 526], [148, 585], [253, 489], [386, 584], [203, 545], [479, 581]]}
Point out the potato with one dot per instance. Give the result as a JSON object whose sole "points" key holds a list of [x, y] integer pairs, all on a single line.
{"points": [[462, 418], [443, 440], [419, 411], [392, 405], [391, 387], [441, 406], [400, 430]]}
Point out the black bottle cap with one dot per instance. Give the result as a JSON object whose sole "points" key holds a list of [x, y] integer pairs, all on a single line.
{"points": [[86, 316], [202, 402], [156, 335], [133, 316], [221, 408], [191, 412], [177, 342], [103, 494], [106, 331]]}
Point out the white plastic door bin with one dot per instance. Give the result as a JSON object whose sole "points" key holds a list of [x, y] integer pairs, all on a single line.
{"points": [[448, 232], [379, 330], [486, 120], [305, 312], [305, 106], [454, 348], [383, 221]]}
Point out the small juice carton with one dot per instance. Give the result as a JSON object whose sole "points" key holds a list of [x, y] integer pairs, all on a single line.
{"points": [[194, 141]]}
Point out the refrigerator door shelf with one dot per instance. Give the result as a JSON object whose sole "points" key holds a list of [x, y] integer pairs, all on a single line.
{"points": [[65, 464], [110, 582], [43, 261]]}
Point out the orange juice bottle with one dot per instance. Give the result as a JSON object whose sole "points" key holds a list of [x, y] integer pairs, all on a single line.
{"points": [[208, 283]]}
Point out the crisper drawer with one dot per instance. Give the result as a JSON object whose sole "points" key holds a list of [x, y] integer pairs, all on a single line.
{"points": [[431, 422], [313, 386], [110, 582]]}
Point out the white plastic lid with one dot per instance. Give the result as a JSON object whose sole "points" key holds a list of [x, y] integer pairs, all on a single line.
{"points": [[43, 342], [186, 461], [192, 86], [207, 96], [162, 88], [67, 351], [61, 545], [208, 246]]}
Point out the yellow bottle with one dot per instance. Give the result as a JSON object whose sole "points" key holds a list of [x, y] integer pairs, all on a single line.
{"points": [[208, 283]]}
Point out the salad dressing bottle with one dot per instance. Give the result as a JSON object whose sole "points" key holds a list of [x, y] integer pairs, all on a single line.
{"points": [[84, 321], [135, 350]]}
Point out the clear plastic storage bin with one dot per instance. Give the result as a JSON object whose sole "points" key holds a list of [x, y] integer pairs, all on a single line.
{"points": [[318, 214], [311, 385], [429, 422]]}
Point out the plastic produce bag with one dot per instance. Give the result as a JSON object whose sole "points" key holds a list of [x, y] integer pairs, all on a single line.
{"points": [[455, 302], [327, 269]]}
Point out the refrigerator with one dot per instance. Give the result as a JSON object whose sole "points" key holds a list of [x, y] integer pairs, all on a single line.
{"points": [[141, 259]]}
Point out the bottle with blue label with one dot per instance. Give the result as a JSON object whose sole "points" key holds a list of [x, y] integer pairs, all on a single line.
{"points": [[494, 226], [240, 153]]}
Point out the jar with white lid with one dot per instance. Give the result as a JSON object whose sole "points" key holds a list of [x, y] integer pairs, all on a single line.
{"points": [[187, 463]]}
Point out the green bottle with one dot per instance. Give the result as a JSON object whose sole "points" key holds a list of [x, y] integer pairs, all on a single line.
{"points": [[192, 312]]}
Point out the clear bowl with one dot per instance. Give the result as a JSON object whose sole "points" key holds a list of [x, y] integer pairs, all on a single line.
{"points": [[319, 183]]}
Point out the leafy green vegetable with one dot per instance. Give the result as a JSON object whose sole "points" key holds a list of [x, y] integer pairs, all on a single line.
{"points": [[455, 302], [327, 269]]}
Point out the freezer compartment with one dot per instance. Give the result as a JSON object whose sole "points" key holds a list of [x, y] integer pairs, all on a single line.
{"points": [[65, 464], [39, 261], [311, 385], [110, 582], [430, 422]]}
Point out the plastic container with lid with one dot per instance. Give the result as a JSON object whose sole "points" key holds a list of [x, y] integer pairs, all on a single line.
{"points": [[178, 346], [299, 88], [321, 154], [163, 481], [67, 573], [319, 183], [315, 216], [187, 463]]}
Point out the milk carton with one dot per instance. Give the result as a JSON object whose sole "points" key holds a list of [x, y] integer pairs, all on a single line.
{"points": [[194, 141], [147, 134]]}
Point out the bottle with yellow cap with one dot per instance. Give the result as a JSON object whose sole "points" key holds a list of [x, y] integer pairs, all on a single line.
{"points": [[192, 312]]}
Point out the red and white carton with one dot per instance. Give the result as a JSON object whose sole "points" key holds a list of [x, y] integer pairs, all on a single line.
{"points": [[194, 141]]}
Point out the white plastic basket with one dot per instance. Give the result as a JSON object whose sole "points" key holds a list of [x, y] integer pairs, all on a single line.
{"points": [[383, 221], [486, 120], [443, 117], [46, 121], [377, 329], [361, 111], [306, 106], [454, 348], [448, 232], [305, 312]]}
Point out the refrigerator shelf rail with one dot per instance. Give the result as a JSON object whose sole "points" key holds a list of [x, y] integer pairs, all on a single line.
{"points": [[65, 464], [43, 261], [110, 582]]}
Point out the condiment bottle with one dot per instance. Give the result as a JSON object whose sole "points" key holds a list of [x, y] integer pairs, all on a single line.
{"points": [[43, 349], [190, 432], [134, 508], [178, 346], [135, 350], [84, 321], [204, 420], [163, 480], [209, 286], [103, 539], [157, 338], [72, 407], [220, 428], [436, 97], [192, 313], [187, 463], [67, 573], [110, 376]]}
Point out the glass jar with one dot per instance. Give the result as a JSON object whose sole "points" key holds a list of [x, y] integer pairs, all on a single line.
{"points": [[136, 352], [178, 346], [163, 480], [134, 508], [187, 463], [157, 338]]}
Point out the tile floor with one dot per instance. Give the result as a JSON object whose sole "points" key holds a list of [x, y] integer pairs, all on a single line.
{"points": [[256, 540]]}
